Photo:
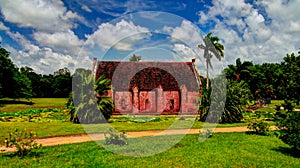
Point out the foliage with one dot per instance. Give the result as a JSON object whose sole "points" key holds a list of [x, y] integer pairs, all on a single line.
{"points": [[269, 80], [204, 102], [237, 98], [92, 105], [288, 105], [113, 137], [240, 71], [258, 122], [135, 58], [35, 115], [23, 141], [13, 83], [288, 123], [25, 83]]}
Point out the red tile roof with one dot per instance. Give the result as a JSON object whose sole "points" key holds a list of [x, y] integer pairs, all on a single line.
{"points": [[148, 75]]}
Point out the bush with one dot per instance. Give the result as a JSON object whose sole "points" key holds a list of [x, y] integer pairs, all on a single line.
{"points": [[289, 128], [113, 137], [206, 133], [234, 104], [257, 122], [23, 141], [89, 102]]}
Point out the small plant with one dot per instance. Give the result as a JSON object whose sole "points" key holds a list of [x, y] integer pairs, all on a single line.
{"points": [[23, 141], [258, 123], [113, 137], [206, 133]]}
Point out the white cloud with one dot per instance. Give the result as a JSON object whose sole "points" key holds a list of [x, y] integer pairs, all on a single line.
{"points": [[109, 34], [87, 9], [65, 42], [252, 34], [184, 53], [43, 60], [3, 27], [46, 15], [186, 32]]}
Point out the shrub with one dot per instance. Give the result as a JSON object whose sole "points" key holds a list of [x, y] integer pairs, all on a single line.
{"points": [[92, 105], [288, 123], [288, 105], [257, 122], [113, 137], [234, 104], [206, 133], [23, 141]]}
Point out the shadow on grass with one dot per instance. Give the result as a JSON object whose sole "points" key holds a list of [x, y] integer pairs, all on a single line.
{"points": [[288, 151], [3, 102], [15, 154], [256, 133]]}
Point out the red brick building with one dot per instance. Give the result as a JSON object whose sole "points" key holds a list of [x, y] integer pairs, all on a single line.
{"points": [[152, 87]]}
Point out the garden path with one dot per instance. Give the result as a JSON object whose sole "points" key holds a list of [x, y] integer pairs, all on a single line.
{"points": [[60, 140]]}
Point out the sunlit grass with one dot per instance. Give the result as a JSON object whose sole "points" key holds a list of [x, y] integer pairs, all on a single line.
{"points": [[221, 150], [37, 103]]}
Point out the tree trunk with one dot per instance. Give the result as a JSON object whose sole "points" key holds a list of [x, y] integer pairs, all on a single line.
{"points": [[207, 77]]}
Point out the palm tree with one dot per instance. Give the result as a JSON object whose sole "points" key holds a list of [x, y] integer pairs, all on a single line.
{"points": [[211, 47]]}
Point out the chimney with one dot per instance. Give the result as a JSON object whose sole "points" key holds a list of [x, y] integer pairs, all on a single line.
{"points": [[94, 65], [193, 60]]}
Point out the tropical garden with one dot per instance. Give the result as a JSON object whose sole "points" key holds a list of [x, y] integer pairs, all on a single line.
{"points": [[258, 96]]}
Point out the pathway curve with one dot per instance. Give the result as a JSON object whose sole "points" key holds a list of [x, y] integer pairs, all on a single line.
{"points": [[60, 140]]}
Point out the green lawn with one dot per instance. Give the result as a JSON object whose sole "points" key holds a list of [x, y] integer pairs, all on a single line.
{"points": [[221, 150], [8, 105]]}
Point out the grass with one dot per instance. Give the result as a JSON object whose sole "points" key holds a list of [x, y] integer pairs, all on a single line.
{"points": [[8, 105], [58, 128], [221, 150]]}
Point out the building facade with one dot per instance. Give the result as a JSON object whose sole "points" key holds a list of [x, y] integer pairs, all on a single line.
{"points": [[151, 87]]}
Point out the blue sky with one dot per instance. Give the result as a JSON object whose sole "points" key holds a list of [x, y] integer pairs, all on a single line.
{"points": [[51, 34]]}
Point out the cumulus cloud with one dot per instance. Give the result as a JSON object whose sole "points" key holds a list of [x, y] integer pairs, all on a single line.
{"points": [[184, 52], [109, 34], [65, 42], [46, 15], [42, 59], [263, 32], [186, 32]]}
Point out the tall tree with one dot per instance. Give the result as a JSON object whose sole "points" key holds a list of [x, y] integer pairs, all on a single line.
{"points": [[7, 72], [239, 71], [211, 46], [135, 58], [62, 83], [13, 83]]}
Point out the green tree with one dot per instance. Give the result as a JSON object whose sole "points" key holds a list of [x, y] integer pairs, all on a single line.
{"points": [[135, 58], [7, 72], [211, 46], [14, 83], [23, 87], [62, 83], [240, 71]]}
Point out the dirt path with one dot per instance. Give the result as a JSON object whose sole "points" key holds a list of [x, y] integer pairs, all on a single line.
{"points": [[52, 141]]}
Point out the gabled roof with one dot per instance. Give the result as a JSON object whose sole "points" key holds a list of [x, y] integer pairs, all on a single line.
{"points": [[148, 75]]}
